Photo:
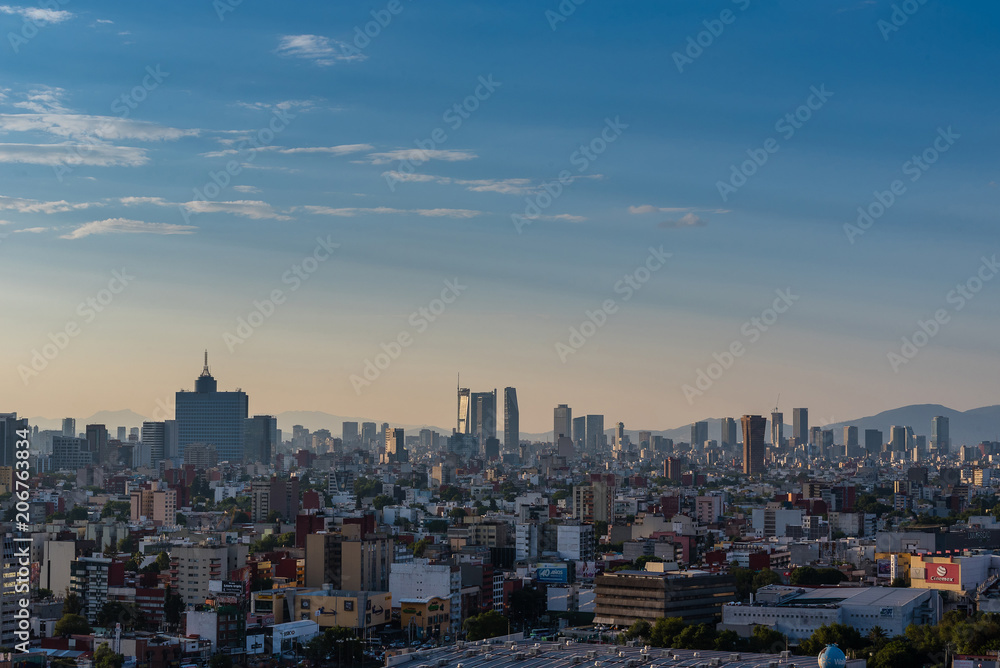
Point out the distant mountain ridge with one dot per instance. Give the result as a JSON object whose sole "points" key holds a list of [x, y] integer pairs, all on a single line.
{"points": [[967, 427]]}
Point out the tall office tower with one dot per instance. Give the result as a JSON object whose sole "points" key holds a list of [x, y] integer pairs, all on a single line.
{"points": [[212, 417], [483, 415], [349, 560], [940, 436], [464, 396], [728, 438], [850, 440], [368, 432], [672, 468], [280, 495], [580, 433], [816, 436], [69, 427], [777, 429], [154, 436], [645, 440], [619, 437], [511, 420], [171, 440], [300, 437], [699, 434], [349, 434], [873, 441], [380, 437], [897, 438], [754, 428], [800, 425], [97, 442], [70, 453], [395, 449], [260, 438], [562, 422], [133, 434], [595, 434], [826, 441], [10, 424], [909, 438], [122, 434]]}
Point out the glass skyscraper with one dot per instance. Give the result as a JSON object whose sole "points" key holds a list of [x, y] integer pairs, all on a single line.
{"points": [[212, 417]]}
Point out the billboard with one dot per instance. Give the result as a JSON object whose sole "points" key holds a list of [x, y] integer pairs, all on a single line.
{"points": [[234, 587], [944, 573], [554, 573], [884, 568]]}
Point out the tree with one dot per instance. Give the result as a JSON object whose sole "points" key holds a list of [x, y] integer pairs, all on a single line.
{"points": [[767, 640], [896, 653], [382, 500], [72, 624], [842, 635], [104, 657], [640, 629], [173, 606], [72, 604], [163, 561], [273, 516], [763, 578], [180, 519], [485, 625], [665, 630], [701, 636], [727, 641], [807, 575], [457, 514], [420, 546]]}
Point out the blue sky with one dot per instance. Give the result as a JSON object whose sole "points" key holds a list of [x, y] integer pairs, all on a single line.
{"points": [[86, 190]]}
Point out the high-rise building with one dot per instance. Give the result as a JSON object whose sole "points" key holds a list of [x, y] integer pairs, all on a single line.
{"points": [[672, 469], [562, 422], [897, 438], [873, 441], [800, 425], [171, 440], [728, 438], [464, 400], [483, 415], [940, 434], [850, 439], [645, 440], [201, 456], [395, 450], [155, 503], [191, 568], [280, 495], [70, 453], [511, 420], [699, 434], [620, 437], [97, 442], [580, 432], [212, 417], [777, 428], [349, 434], [10, 424], [595, 434], [349, 561], [122, 434], [368, 432], [154, 437], [260, 438], [69, 427], [754, 428]]}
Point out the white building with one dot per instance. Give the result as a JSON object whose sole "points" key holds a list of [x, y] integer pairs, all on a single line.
{"points": [[420, 579]]}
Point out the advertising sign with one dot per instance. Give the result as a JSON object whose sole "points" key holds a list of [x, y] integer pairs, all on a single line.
{"points": [[944, 573], [555, 573], [884, 568], [233, 587]]}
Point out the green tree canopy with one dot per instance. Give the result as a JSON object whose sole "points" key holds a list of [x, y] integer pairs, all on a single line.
{"points": [[489, 624], [104, 657], [71, 624]]}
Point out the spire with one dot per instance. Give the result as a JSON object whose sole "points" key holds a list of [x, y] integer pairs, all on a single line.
{"points": [[205, 371]]}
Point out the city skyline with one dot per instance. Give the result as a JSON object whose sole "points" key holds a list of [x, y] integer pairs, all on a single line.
{"points": [[338, 250]]}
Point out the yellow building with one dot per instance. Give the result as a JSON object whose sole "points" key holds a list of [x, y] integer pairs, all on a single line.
{"points": [[425, 617], [944, 573], [358, 610], [6, 479]]}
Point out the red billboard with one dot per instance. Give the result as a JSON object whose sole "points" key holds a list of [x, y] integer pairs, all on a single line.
{"points": [[946, 573]]}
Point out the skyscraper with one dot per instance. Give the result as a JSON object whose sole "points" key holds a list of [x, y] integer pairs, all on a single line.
{"points": [[562, 422], [800, 425], [897, 438], [873, 441], [10, 424], [777, 428], [940, 434], [580, 433], [728, 437], [850, 440], [754, 427], [483, 415], [511, 420], [595, 434], [69, 427], [619, 437], [699, 434], [349, 434], [463, 410], [260, 438], [154, 436], [368, 432], [97, 442], [395, 451], [212, 417]]}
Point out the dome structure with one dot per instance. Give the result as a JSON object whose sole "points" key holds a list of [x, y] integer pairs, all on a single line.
{"points": [[832, 657]]}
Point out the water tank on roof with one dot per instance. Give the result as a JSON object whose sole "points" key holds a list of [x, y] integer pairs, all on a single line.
{"points": [[832, 657]]}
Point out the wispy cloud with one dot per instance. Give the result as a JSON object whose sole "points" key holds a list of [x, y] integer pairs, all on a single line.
{"points": [[126, 226], [22, 205], [30, 230], [687, 220], [649, 208], [351, 212], [343, 149], [558, 216], [43, 99], [70, 153], [37, 14], [99, 127], [321, 50], [248, 208], [516, 186], [246, 189], [418, 156]]}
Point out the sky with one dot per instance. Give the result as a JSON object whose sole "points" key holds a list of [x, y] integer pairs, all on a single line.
{"points": [[647, 210]]}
